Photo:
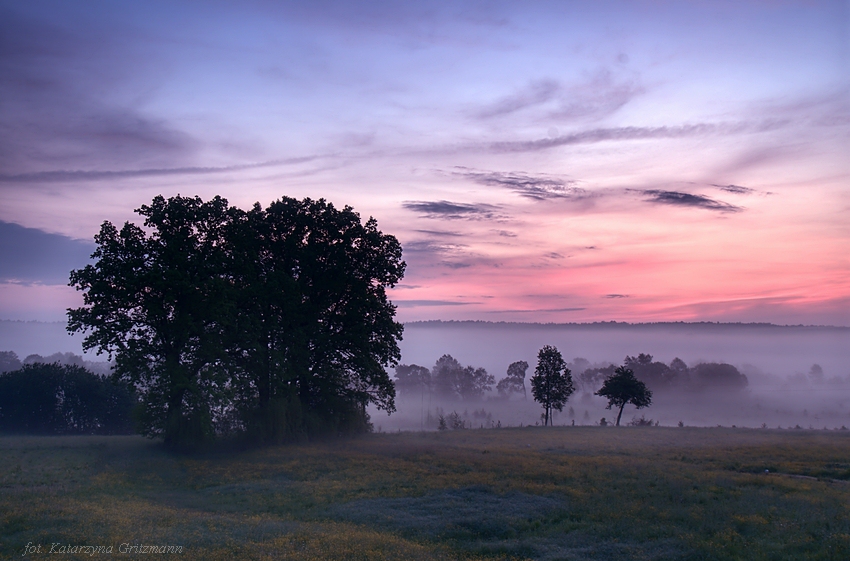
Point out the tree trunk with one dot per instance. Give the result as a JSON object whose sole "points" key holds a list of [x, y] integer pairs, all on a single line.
{"points": [[620, 414]]}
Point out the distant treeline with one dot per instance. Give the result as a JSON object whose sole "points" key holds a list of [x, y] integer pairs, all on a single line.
{"points": [[451, 380], [40, 398], [9, 361]]}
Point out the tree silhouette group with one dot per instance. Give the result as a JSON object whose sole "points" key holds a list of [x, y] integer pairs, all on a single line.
{"points": [[270, 323]]}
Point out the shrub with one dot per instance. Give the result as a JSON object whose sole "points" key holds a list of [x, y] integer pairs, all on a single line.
{"points": [[643, 422]]}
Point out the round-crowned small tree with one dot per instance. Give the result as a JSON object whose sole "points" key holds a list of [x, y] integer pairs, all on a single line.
{"points": [[622, 388], [552, 383]]}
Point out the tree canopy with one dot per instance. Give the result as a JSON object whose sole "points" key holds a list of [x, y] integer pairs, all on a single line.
{"points": [[514, 382], [270, 321], [9, 361], [623, 388], [552, 383], [654, 374], [718, 376], [43, 398], [412, 379], [454, 381]]}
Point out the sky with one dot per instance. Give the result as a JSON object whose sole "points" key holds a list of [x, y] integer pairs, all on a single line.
{"points": [[539, 161]]}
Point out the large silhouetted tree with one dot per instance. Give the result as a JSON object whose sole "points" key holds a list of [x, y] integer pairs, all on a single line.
{"points": [[153, 300], [623, 388], [312, 328], [274, 321], [552, 383]]}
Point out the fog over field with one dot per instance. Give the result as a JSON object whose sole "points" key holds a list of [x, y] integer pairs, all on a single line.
{"points": [[777, 361], [782, 389]]}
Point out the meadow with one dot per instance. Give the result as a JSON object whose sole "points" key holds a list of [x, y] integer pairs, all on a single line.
{"points": [[513, 493]]}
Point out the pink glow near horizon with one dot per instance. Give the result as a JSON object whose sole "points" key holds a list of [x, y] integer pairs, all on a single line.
{"points": [[542, 162]]}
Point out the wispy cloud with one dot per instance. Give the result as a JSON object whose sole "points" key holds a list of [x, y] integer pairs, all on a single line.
{"points": [[432, 247], [456, 264], [632, 133], [440, 233], [51, 78], [535, 93], [601, 94], [686, 199], [417, 303], [535, 311], [76, 175], [616, 296], [451, 210], [428, 254], [737, 189], [537, 187]]}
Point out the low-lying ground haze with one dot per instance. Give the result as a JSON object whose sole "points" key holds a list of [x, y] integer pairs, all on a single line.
{"points": [[782, 388], [777, 361]]}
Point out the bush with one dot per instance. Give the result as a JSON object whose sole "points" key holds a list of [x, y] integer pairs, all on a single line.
{"points": [[456, 422], [642, 422]]}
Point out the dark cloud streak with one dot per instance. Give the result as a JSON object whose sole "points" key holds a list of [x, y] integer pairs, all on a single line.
{"points": [[686, 199], [440, 233], [539, 188], [451, 210]]}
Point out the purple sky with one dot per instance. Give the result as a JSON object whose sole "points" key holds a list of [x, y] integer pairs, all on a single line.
{"points": [[539, 161]]}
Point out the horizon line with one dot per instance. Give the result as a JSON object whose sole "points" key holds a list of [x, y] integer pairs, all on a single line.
{"points": [[614, 323], [601, 323]]}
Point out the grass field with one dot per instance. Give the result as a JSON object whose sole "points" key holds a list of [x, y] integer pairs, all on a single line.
{"points": [[531, 493]]}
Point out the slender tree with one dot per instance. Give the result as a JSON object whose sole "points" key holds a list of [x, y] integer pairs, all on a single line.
{"points": [[552, 383], [622, 388]]}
